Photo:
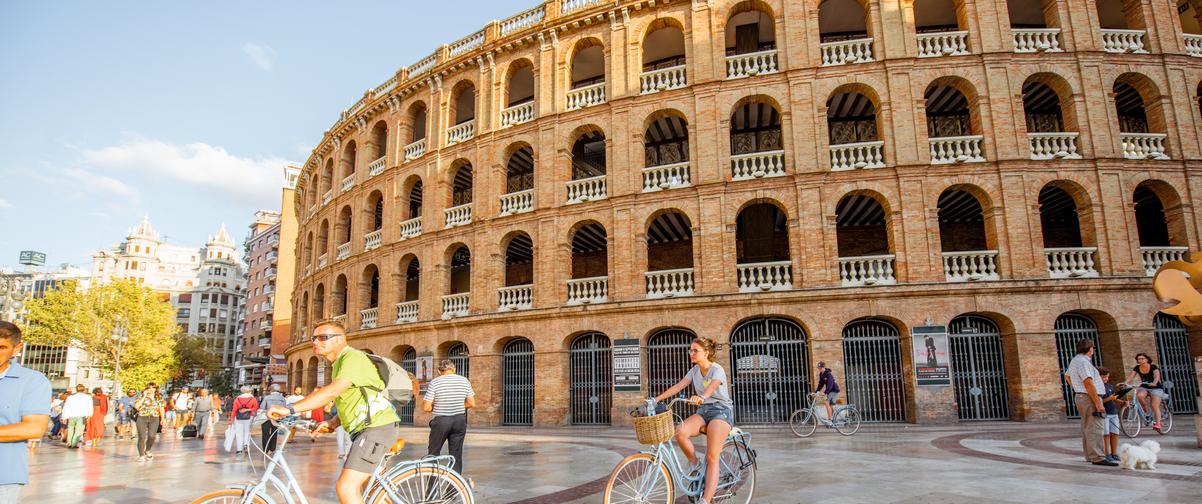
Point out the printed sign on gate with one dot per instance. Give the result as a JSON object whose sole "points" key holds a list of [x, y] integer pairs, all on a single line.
{"points": [[628, 367]]}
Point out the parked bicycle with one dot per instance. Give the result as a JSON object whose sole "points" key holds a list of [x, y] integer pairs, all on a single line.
{"points": [[427, 480], [653, 476], [805, 421], [1133, 417]]}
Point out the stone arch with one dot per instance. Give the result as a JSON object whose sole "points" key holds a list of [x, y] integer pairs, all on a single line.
{"points": [[463, 102], [589, 151], [349, 160], [669, 240], [411, 190], [587, 62], [752, 13], [955, 97], [369, 287], [1066, 223], [409, 277], [519, 82], [417, 120], [518, 249], [379, 139], [1049, 113], [756, 125], [1139, 104], [458, 258], [1159, 215], [662, 44], [958, 216]]}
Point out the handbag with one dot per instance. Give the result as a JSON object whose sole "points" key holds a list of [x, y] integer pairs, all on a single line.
{"points": [[229, 438]]}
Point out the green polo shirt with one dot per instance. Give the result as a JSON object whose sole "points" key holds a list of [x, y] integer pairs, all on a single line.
{"points": [[354, 366]]}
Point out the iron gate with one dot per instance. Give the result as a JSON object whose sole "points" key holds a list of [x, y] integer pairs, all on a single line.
{"points": [[978, 369], [1070, 328], [517, 383], [771, 370], [457, 354], [872, 353], [592, 379], [409, 363], [668, 362], [1172, 344]]}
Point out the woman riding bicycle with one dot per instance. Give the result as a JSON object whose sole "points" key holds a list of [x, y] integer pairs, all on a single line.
{"points": [[716, 414], [1151, 384]]}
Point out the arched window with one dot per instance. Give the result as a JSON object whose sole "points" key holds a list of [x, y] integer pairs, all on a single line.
{"points": [[663, 57], [518, 292], [590, 265], [1065, 237], [940, 29], [953, 127], [762, 249], [669, 256], [1034, 25], [843, 32], [410, 290], [964, 237], [862, 231], [851, 121], [756, 140], [587, 75], [464, 113], [519, 182]]}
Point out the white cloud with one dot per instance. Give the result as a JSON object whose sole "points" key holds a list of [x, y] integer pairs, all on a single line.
{"points": [[196, 166], [87, 182], [5, 204], [262, 55]]}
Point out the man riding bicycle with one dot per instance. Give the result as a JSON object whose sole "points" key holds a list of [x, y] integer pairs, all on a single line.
{"points": [[363, 411], [828, 386]]}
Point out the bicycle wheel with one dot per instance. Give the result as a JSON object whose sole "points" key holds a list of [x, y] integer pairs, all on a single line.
{"points": [[1166, 419], [423, 484], [803, 422], [847, 421], [227, 496], [736, 476], [639, 479], [1130, 421]]}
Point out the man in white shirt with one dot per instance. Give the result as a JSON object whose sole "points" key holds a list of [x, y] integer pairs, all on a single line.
{"points": [[76, 410], [183, 408], [1088, 390], [448, 398]]}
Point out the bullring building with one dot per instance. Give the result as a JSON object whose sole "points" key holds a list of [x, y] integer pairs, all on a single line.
{"points": [[802, 181]]}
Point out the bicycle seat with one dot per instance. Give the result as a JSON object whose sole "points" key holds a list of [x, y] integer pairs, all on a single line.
{"points": [[397, 446], [735, 431]]}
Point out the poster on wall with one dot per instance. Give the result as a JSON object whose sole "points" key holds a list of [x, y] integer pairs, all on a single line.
{"points": [[423, 371], [932, 362], [628, 368]]}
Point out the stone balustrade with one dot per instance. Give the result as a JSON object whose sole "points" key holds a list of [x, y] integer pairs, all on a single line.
{"points": [[461, 132], [466, 44], [765, 276], [455, 305], [327, 197], [522, 21], [517, 114], [340, 318], [1030, 40], [1123, 41], [343, 251], [1143, 145], [458, 215], [425, 65], [348, 183], [654, 81], [669, 283], [308, 269], [1071, 262], [757, 165], [585, 96], [518, 297], [375, 167], [957, 149], [411, 228], [866, 270], [1193, 44], [669, 176], [949, 43], [415, 150], [1155, 257], [588, 290], [751, 64], [854, 156], [517, 202], [406, 312], [322, 261], [1061, 145], [568, 6], [372, 240], [586, 189], [970, 266], [845, 52], [367, 318]]}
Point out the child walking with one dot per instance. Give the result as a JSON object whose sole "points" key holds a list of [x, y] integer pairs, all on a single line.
{"points": [[1110, 428]]}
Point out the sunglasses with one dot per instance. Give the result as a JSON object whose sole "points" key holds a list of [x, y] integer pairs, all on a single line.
{"points": [[325, 336]]}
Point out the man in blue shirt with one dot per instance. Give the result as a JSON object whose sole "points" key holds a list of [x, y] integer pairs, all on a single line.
{"points": [[24, 413]]}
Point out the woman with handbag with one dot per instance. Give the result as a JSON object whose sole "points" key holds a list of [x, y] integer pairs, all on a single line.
{"points": [[94, 430], [147, 415], [242, 412]]}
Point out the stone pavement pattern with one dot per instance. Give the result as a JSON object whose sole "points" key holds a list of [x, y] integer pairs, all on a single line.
{"points": [[985, 463]]}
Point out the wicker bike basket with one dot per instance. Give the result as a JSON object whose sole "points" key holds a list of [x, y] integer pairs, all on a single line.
{"points": [[654, 429]]}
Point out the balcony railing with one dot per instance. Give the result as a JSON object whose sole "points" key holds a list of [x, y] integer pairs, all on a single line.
{"points": [[866, 270], [1053, 145], [1030, 40], [455, 305], [588, 189], [1143, 145], [348, 182], [329, 195], [517, 202], [308, 269], [957, 149], [757, 165], [411, 228], [670, 176], [344, 251], [270, 273], [367, 318], [751, 64], [846, 51], [523, 20], [466, 44], [765, 276], [375, 167], [669, 283], [970, 266], [654, 81], [567, 6], [588, 290], [1071, 262], [265, 324], [321, 261], [854, 156], [371, 241], [518, 297], [461, 132], [406, 312], [517, 114], [340, 318], [1155, 257], [1123, 41], [949, 43], [415, 150], [1193, 45], [458, 215], [586, 96]]}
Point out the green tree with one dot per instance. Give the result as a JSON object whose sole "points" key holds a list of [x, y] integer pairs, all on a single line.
{"points": [[192, 353], [222, 383], [86, 318]]}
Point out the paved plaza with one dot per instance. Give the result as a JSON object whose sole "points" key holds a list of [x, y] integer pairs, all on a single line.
{"points": [[982, 463]]}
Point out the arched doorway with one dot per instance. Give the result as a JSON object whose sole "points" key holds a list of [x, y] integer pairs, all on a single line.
{"points": [[1176, 363], [409, 363], [1070, 328], [457, 354], [978, 369], [770, 370], [517, 383], [872, 354], [592, 376], [668, 362]]}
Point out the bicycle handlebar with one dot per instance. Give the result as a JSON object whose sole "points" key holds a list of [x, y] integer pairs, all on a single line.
{"points": [[295, 421]]}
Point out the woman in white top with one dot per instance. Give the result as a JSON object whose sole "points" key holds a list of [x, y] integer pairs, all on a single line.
{"points": [[716, 414]]}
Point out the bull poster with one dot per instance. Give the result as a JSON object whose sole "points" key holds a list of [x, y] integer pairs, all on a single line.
{"points": [[932, 361]]}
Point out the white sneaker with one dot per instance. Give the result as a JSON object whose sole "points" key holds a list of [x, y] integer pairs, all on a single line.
{"points": [[141, 459]]}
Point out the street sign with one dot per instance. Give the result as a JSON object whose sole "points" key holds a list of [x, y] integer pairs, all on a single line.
{"points": [[32, 258], [932, 363], [628, 367]]}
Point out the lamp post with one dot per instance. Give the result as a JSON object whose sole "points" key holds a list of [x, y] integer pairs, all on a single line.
{"points": [[120, 338]]}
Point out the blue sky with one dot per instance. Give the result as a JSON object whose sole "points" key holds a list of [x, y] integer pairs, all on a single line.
{"points": [[183, 111]]}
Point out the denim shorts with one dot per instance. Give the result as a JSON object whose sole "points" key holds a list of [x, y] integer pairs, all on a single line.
{"points": [[711, 412], [1110, 425], [831, 397], [1158, 392]]}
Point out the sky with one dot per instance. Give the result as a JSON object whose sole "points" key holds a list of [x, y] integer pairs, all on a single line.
{"points": [[184, 111]]}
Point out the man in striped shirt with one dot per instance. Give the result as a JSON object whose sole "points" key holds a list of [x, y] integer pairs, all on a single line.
{"points": [[448, 397]]}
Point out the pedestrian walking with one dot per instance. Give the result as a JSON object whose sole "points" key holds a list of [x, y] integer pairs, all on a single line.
{"points": [[56, 414], [202, 409], [242, 411], [148, 410], [94, 431], [24, 413], [182, 403], [77, 410], [125, 421], [448, 397], [1088, 390], [168, 411], [267, 429]]}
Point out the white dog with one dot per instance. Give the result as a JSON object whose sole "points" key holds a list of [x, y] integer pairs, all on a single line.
{"points": [[1143, 455]]}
